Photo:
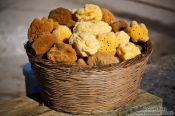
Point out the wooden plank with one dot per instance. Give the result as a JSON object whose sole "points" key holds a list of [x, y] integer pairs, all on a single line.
{"points": [[24, 106], [18, 107], [145, 103], [54, 113], [39, 110]]}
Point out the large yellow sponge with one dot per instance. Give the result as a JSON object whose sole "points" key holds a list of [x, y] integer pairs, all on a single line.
{"points": [[108, 43], [138, 32]]}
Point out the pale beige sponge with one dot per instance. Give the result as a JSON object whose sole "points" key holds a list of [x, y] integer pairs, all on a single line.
{"points": [[62, 33], [84, 27], [85, 43], [94, 28], [123, 37], [89, 12], [102, 27], [128, 51]]}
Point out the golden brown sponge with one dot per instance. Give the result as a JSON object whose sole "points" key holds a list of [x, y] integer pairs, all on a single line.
{"points": [[108, 17], [119, 25], [63, 53], [101, 59], [62, 16], [43, 44], [81, 62], [39, 27]]}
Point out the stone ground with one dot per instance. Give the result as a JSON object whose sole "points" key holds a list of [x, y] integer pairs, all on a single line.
{"points": [[16, 15]]}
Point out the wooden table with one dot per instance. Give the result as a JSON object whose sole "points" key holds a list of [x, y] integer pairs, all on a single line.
{"points": [[24, 106]]}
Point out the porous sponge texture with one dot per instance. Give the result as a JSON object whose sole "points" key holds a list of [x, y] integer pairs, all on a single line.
{"points": [[39, 27], [102, 59], [108, 17], [85, 43], [43, 44], [62, 33], [123, 38], [90, 12], [138, 32], [119, 25], [63, 16], [128, 51], [108, 42], [61, 52], [94, 28]]}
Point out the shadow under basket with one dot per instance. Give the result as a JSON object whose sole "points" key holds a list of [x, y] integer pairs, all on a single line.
{"points": [[89, 89]]}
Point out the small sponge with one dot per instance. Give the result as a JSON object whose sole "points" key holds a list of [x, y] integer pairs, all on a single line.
{"points": [[43, 44], [108, 17], [63, 33], [123, 37], [62, 16], [85, 43], [128, 51], [138, 32], [39, 27], [90, 12], [62, 53], [102, 59], [108, 42], [119, 26], [81, 62]]}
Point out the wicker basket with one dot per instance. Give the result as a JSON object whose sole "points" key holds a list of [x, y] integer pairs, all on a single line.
{"points": [[87, 90]]}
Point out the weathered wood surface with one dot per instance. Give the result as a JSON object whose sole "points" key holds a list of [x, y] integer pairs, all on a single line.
{"points": [[24, 106]]}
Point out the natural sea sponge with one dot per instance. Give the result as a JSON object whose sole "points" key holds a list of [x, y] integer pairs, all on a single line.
{"points": [[90, 12], [102, 27], [63, 53], [62, 16], [39, 27], [43, 44], [128, 51], [108, 17], [85, 43], [63, 33], [84, 27], [81, 62], [138, 32], [94, 28], [108, 42], [123, 38], [102, 59], [119, 26]]}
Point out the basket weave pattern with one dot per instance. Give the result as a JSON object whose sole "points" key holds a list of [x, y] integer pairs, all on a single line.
{"points": [[86, 90]]}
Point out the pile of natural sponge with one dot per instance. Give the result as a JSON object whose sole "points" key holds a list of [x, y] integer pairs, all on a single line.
{"points": [[87, 36]]}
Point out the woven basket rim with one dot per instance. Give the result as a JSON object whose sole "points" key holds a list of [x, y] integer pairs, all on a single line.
{"points": [[147, 50]]}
